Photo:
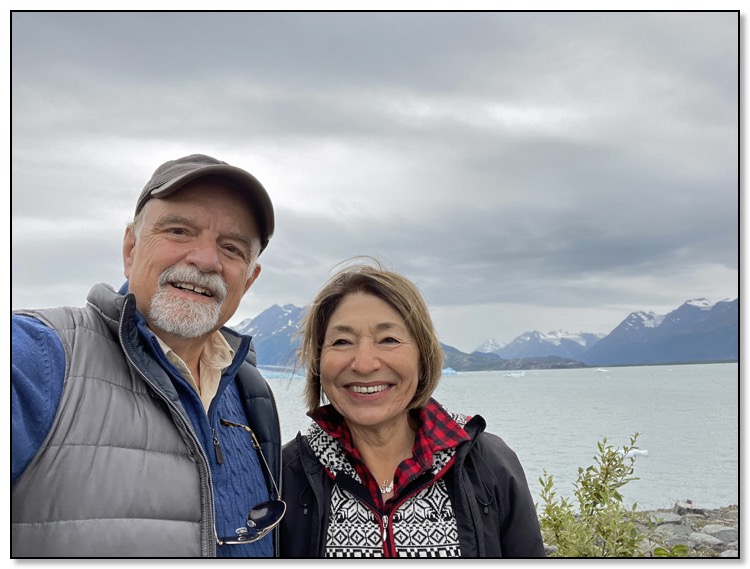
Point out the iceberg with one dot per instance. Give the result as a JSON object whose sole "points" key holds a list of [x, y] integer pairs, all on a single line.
{"points": [[515, 374], [634, 452]]}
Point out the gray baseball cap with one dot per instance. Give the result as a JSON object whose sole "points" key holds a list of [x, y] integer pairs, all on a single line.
{"points": [[173, 175]]}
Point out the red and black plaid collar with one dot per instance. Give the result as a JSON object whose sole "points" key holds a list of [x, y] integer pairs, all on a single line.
{"points": [[437, 431]]}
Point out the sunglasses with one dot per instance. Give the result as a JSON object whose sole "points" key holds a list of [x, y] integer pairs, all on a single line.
{"points": [[263, 517]]}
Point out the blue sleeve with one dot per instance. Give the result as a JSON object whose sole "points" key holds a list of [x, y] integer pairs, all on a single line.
{"points": [[38, 371]]}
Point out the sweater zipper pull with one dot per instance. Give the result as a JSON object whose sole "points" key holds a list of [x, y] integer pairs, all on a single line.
{"points": [[217, 448], [385, 531]]}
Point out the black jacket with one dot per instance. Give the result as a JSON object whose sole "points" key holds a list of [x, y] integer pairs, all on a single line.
{"points": [[494, 509]]}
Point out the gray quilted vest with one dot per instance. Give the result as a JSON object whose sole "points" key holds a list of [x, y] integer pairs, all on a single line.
{"points": [[96, 489]]}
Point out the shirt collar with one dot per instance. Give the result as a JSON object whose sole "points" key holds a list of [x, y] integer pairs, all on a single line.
{"points": [[217, 353], [437, 430]]}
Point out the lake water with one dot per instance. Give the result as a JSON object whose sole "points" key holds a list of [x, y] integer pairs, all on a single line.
{"points": [[687, 417]]}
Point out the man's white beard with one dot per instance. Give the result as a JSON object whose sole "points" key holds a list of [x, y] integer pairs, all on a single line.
{"points": [[183, 317]]}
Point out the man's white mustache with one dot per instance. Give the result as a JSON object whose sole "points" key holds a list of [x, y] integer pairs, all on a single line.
{"points": [[186, 274]]}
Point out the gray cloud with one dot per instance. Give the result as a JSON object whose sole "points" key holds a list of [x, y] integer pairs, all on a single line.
{"points": [[569, 167]]}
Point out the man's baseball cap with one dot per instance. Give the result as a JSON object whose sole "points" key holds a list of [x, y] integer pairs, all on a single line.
{"points": [[173, 175]]}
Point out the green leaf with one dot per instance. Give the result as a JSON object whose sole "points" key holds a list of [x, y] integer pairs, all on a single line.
{"points": [[680, 551]]}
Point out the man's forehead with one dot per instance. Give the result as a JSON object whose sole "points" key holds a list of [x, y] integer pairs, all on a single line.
{"points": [[201, 195], [163, 211]]}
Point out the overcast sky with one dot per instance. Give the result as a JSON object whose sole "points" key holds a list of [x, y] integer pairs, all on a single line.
{"points": [[529, 171]]}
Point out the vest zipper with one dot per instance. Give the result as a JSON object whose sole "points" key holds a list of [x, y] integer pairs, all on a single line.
{"points": [[186, 423]]}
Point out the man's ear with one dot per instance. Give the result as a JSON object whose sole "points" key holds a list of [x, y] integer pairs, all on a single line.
{"points": [[128, 250], [251, 279]]}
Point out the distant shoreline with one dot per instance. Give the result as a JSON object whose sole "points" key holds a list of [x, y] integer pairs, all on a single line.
{"points": [[735, 361]]}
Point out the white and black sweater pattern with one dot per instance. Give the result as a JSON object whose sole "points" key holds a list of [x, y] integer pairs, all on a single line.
{"points": [[422, 525]]}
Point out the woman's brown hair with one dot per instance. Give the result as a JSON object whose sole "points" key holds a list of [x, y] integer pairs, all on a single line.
{"points": [[394, 289]]}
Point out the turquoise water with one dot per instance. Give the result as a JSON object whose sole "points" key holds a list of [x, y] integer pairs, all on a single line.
{"points": [[687, 415]]}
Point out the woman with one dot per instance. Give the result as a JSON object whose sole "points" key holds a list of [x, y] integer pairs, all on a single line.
{"points": [[385, 470]]}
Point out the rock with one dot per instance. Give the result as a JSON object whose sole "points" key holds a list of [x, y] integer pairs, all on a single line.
{"points": [[724, 533], [660, 518], [683, 507], [549, 550], [674, 534], [693, 519], [647, 547], [704, 540], [707, 533]]}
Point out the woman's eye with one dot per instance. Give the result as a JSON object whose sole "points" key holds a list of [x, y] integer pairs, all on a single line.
{"points": [[340, 342], [390, 340]]}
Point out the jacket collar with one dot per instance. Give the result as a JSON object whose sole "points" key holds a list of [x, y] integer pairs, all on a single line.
{"points": [[475, 426], [330, 440]]}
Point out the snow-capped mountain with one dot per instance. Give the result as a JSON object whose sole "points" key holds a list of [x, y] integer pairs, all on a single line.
{"points": [[557, 343], [274, 334], [490, 346], [702, 303], [697, 331], [638, 320]]}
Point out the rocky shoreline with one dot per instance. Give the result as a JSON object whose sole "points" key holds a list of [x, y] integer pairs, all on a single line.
{"points": [[705, 532]]}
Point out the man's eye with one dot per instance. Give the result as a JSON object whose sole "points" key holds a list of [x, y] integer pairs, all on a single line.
{"points": [[234, 250], [177, 230]]}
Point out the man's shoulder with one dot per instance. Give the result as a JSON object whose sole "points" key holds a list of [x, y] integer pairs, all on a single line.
{"points": [[30, 335], [59, 317]]}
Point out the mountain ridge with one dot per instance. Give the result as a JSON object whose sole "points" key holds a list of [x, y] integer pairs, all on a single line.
{"points": [[696, 331]]}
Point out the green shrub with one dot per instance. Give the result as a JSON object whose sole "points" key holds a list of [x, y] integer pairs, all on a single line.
{"points": [[601, 526]]}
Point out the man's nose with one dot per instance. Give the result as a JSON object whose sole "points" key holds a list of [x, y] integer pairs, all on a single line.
{"points": [[204, 255], [366, 357]]}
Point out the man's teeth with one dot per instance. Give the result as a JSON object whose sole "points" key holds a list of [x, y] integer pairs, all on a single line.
{"points": [[196, 289], [368, 389]]}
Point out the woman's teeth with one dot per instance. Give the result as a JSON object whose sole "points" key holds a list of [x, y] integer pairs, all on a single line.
{"points": [[368, 389]]}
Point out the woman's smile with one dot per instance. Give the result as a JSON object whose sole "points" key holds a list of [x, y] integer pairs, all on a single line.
{"points": [[368, 389]]}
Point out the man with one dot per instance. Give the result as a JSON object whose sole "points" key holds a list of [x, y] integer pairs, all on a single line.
{"points": [[125, 413]]}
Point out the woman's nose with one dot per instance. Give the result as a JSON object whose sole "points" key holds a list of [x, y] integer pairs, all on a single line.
{"points": [[366, 358]]}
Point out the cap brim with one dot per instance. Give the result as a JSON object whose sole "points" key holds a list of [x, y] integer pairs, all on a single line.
{"points": [[253, 190]]}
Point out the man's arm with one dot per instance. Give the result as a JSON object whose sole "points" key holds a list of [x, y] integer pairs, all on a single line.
{"points": [[38, 371]]}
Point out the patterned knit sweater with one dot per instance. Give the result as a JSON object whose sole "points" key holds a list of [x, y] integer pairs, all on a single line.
{"points": [[417, 522]]}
